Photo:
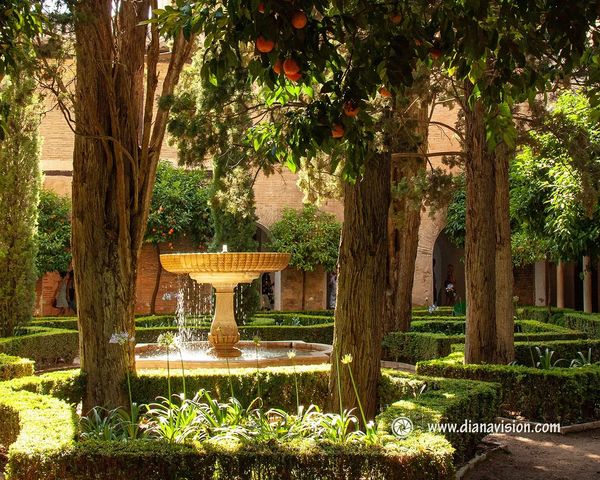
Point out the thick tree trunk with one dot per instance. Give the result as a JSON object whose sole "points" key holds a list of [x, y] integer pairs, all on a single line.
{"points": [[117, 146], [505, 314], [361, 287], [159, 270], [404, 216], [480, 243], [488, 255]]}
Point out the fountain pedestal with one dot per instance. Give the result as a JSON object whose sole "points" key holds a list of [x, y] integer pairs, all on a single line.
{"points": [[224, 333]]}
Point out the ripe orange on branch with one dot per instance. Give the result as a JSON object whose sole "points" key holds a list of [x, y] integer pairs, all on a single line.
{"points": [[264, 45], [299, 20], [277, 68], [350, 109], [337, 131], [294, 77], [384, 92], [290, 66]]}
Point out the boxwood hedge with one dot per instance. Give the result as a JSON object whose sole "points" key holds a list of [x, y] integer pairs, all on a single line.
{"points": [[566, 395], [14, 367], [41, 430]]}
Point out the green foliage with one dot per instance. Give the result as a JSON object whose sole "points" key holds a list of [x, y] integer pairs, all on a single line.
{"points": [[14, 367], [179, 206], [310, 235], [555, 191], [21, 22], [428, 401], [565, 395], [45, 346], [544, 354], [53, 233], [410, 347], [457, 213], [19, 191]]}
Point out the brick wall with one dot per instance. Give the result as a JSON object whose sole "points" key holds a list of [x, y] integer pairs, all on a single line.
{"points": [[525, 284]]}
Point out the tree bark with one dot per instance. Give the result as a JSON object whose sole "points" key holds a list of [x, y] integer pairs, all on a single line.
{"points": [[505, 314], [488, 255], [404, 216], [480, 242], [117, 146], [156, 280], [361, 293]]}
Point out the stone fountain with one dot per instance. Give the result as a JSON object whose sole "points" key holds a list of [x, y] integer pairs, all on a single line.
{"points": [[224, 271]]}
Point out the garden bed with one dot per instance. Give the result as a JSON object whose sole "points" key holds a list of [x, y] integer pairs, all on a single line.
{"points": [[41, 427], [565, 395]]}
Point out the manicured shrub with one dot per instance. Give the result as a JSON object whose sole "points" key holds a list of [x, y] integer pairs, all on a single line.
{"points": [[566, 350], [276, 384], [428, 401], [65, 385], [14, 367], [566, 395], [585, 322], [411, 347], [46, 346]]}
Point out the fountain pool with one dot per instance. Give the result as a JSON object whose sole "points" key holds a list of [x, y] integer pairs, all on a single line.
{"points": [[200, 355]]}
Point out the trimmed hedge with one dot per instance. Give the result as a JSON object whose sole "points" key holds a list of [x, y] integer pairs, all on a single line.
{"points": [[566, 395], [14, 367], [276, 384], [563, 349], [43, 429], [46, 346], [295, 319], [441, 401], [410, 347]]}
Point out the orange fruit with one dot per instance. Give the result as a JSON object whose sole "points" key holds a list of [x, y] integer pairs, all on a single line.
{"points": [[384, 92], [396, 18], [294, 77], [350, 109], [278, 66], [337, 131], [263, 45], [435, 53], [290, 66], [299, 20]]}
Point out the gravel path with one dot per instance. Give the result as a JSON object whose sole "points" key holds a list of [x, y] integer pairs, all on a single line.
{"points": [[542, 457]]}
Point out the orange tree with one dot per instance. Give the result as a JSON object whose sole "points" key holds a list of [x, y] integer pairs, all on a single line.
{"points": [[327, 68]]}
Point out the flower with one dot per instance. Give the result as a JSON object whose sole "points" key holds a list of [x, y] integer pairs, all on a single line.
{"points": [[291, 354], [347, 359], [121, 338]]}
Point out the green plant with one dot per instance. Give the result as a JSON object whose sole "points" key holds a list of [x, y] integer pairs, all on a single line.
{"points": [[19, 194], [53, 233], [544, 361], [582, 359]]}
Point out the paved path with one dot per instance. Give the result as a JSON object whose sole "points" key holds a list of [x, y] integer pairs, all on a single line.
{"points": [[574, 456]]}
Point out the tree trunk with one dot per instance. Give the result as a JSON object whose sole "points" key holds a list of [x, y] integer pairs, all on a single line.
{"points": [[361, 287], [404, 216], [505, 314], [117, 146], [480, 242], [156, 280]]}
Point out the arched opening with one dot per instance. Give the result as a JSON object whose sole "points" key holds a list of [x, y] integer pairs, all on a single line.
{"points": [[448, 268], [270, 282]]}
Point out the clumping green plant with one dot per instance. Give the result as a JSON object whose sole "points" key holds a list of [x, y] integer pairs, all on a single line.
{"points": [[582, 359], [545, 359]]}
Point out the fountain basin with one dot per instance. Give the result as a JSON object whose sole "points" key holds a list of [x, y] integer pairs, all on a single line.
{"points": [[200, 355]]}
